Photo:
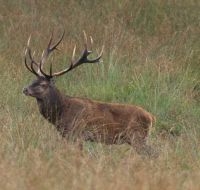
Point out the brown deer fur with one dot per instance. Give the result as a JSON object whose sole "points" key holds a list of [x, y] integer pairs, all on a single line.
{"points": [[89, 120]]}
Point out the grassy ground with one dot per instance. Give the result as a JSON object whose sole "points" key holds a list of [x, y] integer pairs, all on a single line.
{"points": [[151, 58]]}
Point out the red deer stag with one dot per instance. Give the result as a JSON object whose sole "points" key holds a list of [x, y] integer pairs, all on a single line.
{"points": [[85, 119]]}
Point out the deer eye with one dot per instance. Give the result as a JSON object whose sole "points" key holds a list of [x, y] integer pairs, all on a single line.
{"points": [[44, 85]]}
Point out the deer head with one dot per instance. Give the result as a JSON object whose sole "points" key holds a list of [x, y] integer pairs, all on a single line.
{"points": [[44, 84]]}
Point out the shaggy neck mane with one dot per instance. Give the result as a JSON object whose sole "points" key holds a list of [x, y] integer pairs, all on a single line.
{"points": [[51, 106]]}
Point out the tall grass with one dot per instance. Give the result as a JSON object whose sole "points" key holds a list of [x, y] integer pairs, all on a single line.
{"points": [[151, 58]]}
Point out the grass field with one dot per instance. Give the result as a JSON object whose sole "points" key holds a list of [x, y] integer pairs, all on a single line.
{"points": [[151, 58]]}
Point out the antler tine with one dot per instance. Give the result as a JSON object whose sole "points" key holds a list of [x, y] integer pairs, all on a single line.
{"points": [[57, 43], [73, 55], [28, 42], [51, 69], [85, 39], [99, 56], [25, 61], [91, 40]]}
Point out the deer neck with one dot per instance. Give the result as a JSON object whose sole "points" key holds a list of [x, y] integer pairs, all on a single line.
{"points": [[51, 106]]}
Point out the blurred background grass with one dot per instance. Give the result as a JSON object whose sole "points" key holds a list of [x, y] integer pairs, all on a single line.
{"points": [[151, 58]]}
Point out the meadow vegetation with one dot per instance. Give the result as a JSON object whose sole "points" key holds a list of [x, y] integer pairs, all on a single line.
{"points": [[151, 58]]}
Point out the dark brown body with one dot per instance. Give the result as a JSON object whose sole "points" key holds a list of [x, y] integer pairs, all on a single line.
{"points": [[85, 119]]}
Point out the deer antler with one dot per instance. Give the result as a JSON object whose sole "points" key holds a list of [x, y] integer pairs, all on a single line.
{"points": [[51, 48]]}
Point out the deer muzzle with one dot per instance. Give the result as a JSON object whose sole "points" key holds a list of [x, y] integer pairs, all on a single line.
{"points": [[26, 92]]}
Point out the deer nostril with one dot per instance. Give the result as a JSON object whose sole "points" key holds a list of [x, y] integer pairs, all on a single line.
{"points": [[25, 91]]}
